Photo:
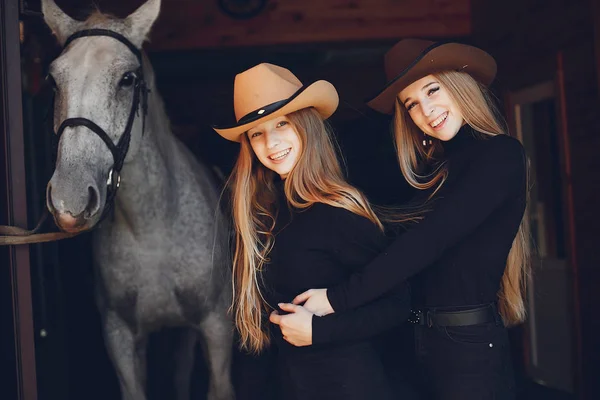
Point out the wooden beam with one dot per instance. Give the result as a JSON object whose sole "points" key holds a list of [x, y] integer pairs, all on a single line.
{"points": [[16, 198], [193, 24], [309, 21]]}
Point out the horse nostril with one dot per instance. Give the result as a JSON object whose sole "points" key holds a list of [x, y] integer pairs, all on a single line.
{"points": [[49, 198], [93, 202]]}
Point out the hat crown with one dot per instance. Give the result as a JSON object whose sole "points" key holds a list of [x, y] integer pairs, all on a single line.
{"points": [[260, 86], [402, 55]]}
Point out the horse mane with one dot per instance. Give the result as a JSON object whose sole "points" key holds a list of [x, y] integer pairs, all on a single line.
{"points": [[97, 17]]}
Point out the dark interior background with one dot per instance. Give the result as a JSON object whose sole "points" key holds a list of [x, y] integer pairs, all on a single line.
{"points": [[533, 41]]}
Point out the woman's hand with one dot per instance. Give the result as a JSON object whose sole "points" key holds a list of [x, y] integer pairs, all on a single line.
{"points": [[315, 301], [295, 327]]}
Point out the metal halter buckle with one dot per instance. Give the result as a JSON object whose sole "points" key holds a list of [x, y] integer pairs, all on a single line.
{"points": [[113, 177]]}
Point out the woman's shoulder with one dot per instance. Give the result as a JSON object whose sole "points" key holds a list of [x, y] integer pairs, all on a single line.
{"points": [[500, 149], [340, 216], [502, 143], [346, 228]]}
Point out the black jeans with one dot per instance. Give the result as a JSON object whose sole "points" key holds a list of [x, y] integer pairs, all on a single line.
{"points": [[465, 362]]}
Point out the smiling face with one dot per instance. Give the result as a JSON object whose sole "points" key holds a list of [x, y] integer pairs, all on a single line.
{"points": [[431, 108], [276, 145]]}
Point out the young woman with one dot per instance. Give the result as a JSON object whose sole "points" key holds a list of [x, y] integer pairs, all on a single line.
{"points": [[471, 248], [299, 224]]}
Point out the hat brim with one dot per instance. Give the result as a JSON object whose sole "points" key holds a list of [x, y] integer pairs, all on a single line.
{"points": [[321, 95], [441, 57]]}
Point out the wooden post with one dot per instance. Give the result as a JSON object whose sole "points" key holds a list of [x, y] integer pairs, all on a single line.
{"points": [[595, 8], [16, 200]]}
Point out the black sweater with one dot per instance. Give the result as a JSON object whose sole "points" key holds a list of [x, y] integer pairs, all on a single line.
{"points": [[463, 241], [319, 247]]}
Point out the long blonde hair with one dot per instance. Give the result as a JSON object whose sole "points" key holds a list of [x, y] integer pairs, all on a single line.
{"points": [[316, 178], [480, 112]]}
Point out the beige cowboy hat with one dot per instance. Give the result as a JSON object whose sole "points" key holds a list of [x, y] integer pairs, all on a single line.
{"points": [[267, 91], [412, 59]]}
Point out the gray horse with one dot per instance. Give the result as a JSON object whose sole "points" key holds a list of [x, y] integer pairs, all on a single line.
{"points": [[160, 257]]}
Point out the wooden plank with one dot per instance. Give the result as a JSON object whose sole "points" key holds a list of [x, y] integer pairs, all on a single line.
{"points": [[291, 21], [16, 199], [192, 24], [571, 231], [596, 15], [525, 50]]}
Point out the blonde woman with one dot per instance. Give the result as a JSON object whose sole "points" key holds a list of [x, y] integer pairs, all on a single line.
{"points": [[471, 250], [299, 224]]}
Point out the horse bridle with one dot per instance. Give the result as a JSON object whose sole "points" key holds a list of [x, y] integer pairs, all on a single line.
{"points": [[140, 94], [12, 235]]}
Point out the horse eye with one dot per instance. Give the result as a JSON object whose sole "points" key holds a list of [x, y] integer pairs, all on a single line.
{"points": [[127, 79]]}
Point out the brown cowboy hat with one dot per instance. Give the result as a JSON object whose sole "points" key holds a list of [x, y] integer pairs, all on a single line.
{"points": [[267, 91], [412, 59]]}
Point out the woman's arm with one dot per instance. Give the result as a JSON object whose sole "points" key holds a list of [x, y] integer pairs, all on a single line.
{"points": [[496, 174], [302, 328], [364, 322], [355, 241]]}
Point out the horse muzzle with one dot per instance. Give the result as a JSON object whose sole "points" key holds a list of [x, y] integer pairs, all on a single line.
{"points": [[68, 220]]}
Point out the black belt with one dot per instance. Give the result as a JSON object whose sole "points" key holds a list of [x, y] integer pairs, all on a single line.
{"points": [[472, 316]]}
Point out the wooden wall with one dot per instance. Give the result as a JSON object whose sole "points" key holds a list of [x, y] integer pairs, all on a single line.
{"points": [[526, 37], [194, 24], [295, 21]]}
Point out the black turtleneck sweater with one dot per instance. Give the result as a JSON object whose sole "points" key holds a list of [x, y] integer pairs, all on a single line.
{"points": [[461, 245], [319, 247]]}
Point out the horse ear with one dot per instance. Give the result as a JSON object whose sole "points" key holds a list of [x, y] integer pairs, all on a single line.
{"points": [[58, 21], [141, 20]]}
